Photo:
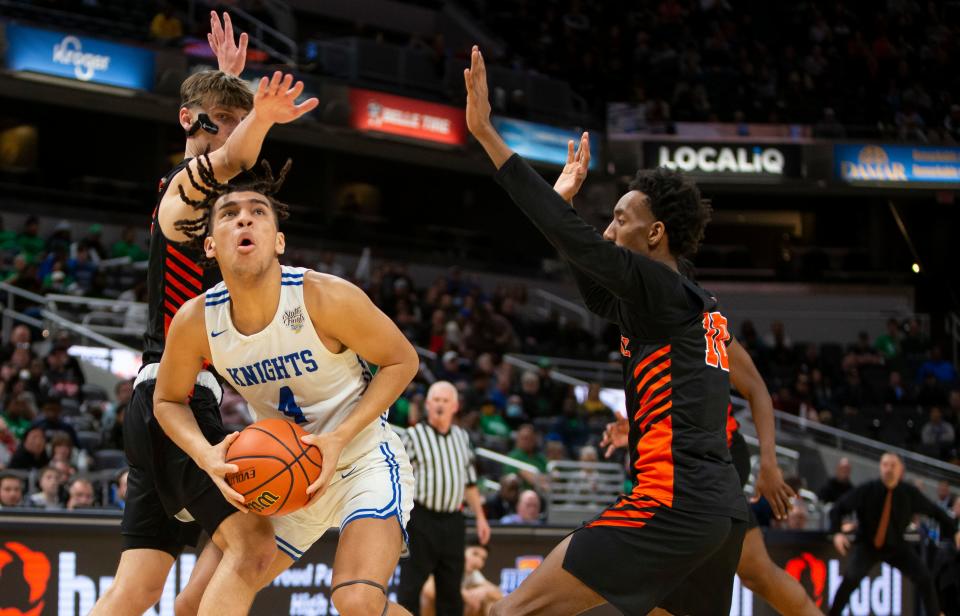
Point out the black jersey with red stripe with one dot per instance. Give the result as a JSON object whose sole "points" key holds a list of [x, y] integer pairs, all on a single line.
{"points": [[732, 425], [675, 365], [174, 276], [677, 383]]}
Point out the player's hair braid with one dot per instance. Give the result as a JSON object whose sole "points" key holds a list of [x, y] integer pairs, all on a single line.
{"points": [[265, 183], [210, 185]]}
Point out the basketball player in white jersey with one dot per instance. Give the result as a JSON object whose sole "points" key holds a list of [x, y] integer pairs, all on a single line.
{"points": [[290, 341]]}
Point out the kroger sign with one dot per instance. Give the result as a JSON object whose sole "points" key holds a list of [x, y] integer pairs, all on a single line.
{"points": [[81, 58]]}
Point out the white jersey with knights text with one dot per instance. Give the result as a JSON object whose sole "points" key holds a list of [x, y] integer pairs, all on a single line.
{"points": [[285, 370]]}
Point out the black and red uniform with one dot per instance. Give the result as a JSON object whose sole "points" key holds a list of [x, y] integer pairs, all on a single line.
{"points": [[733, 427], [163, 480], [174, 276], [675, 540], [739, 452]]}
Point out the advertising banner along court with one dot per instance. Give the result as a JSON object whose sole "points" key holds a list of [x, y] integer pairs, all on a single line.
{"points": [[60, 565]]}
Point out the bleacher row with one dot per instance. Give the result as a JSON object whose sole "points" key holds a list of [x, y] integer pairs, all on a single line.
{"points": [[844, 385], [672, 60], [884, 389]]}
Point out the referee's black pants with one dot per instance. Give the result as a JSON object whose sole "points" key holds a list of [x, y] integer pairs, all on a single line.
{"points": [[437, 542], [864, 556]]}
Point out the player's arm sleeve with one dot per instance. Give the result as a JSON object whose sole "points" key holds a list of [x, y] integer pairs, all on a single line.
{"points": [[922, 504], [617, 269], [847, 503], [596, 298]]}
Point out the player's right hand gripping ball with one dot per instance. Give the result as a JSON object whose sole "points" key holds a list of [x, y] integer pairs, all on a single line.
{"points": [[276, 468]]}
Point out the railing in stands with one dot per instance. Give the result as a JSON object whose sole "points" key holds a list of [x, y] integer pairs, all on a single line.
{"points": [[85, 332], [576, 371], [545, 303], [782, 452], [523, 362], [47, 312], [259, 33], [10, 314], [489, 454], [822, 434], [425, 370], [847, 441], [113, 317], [578, 490]]}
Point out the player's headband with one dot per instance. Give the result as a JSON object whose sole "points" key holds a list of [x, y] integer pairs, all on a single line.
{"points": [[204, 122]]}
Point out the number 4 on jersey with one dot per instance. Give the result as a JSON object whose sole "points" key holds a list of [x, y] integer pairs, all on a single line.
{"points": [[717, 336], [288, 406]]}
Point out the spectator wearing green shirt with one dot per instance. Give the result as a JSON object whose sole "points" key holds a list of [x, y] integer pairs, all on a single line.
{"points": [[889, 343], [19, 414], [407, 410], [29, 241], [527, 450], [127, 246], [58, 280], [492, 422], [8, 239]]}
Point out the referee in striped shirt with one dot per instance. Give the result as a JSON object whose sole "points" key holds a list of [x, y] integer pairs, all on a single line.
{"points": [[442, 459]]}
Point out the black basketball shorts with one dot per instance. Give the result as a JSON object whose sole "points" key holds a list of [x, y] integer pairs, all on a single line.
{"points": [[681, 561], [163, 479]]}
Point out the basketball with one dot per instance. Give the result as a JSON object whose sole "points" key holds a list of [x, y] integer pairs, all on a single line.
{"points": [[275, 467]]}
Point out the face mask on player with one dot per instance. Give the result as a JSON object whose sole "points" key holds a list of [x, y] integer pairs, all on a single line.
{"points": [[203, 121]]}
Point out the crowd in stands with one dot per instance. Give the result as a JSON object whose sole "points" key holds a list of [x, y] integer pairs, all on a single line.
{"points": [[55, 428], [61, 264], [890, 67], [890, 64], [899, 388], [57, 432]]}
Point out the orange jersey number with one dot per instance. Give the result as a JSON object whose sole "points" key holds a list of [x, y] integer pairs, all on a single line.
{"points": [[717, 336]]}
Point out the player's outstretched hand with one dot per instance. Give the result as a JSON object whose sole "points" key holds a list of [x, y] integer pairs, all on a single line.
{"points": [[841, 543], [478, 111], [575, 171], [231, 57], [478, 97], [331, 445], [214, 463], [770, 485], [615, 435], [275, 99]]}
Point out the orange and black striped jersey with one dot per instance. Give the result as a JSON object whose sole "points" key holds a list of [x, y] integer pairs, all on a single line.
{"points": [[675, 365], [174, 276], [677, 383]]}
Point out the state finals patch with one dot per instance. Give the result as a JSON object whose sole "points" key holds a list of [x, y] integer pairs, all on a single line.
{"points": [[294, 319]]}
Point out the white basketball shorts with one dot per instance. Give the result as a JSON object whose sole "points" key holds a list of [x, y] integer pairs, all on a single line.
{"points": [[378, 485]]}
